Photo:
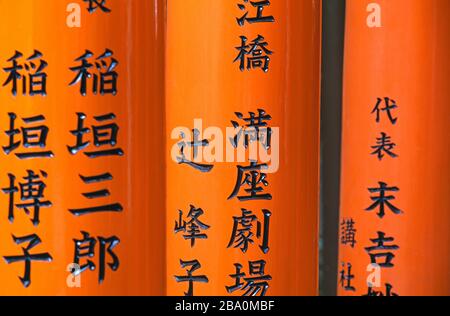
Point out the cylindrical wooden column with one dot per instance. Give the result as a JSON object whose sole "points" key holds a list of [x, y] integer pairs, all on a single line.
{"points": [[278, 51], [119, 177], [394, 199]]}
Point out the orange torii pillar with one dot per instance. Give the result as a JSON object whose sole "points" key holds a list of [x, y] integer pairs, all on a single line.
{"points": [[128, 188], [395, 154], [242, 227]]}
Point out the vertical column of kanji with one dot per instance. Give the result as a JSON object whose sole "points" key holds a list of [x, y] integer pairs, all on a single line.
{"points": [[26, 155], [242, 84], [83, 95], [394, 223]]}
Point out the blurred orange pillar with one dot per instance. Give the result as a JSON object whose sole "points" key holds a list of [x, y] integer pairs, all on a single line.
{"points": [[134, 32], [396, 158], [203, 83]]}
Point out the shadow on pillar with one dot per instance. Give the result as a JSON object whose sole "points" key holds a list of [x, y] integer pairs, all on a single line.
{"points": [[331, 108]]}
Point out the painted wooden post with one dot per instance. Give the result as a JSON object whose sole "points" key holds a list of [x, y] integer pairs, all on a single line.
{"points": [[278, 52], [128, 222], [394, 203]]}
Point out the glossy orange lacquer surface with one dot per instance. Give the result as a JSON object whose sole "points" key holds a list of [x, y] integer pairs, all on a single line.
{"points": [[204, 83], [406, 60], [134, 32]]}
